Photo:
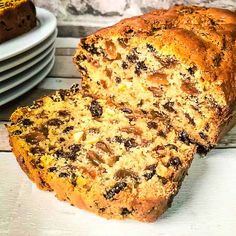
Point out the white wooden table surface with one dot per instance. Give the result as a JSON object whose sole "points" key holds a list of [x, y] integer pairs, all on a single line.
{"points": [[206, 204]]}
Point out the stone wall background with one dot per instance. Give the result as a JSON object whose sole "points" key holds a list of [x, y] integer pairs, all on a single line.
{"points": [[77, 18]]}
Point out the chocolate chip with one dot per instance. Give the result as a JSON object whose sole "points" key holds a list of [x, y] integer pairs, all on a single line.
{"points": [[117, 188], [27, 122], [52, 169], [96, 109], [54, 122], [175, 161], [130, 143], [152, 125]]}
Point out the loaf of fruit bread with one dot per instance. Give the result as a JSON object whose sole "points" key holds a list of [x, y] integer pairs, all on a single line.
{"points": [[180, 62], [106, 159], [16, 17]]}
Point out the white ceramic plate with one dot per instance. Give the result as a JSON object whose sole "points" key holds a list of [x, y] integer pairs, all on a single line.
{"points": [[25, 75], [25, 87], [26, 56], [23, 67], [46, 26]]}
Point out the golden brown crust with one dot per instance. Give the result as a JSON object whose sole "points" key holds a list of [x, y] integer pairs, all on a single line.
{"points": [[16, 19], [194, 35]]}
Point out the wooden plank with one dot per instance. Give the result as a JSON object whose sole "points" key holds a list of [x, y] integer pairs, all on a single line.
{"points": [[229, 141]]}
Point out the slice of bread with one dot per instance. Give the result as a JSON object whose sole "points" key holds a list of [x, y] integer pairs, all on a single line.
{"points": [[179, 62], [110, 160], [16, 17]]}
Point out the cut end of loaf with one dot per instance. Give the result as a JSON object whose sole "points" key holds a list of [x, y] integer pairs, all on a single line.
{"points": [[100, 157]]}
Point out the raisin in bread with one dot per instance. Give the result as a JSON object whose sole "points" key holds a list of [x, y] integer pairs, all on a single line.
{"points": [[179, 62], [16, 17], [106, 159]]}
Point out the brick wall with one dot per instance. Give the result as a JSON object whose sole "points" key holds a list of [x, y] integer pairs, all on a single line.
{"points": [[77, 18]]}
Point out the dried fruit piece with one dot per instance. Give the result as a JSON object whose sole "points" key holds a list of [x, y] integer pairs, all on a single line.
{"points": [[111, 49], [34, 138], [189, 88], [27, 122], [103, 146], [68, 129], [151, 171], [125, 173], [152, 125], [158, 78], [54, 122], [96, 109], [37, 150], [130, 143], [175, 162], [117, 188], [156, 91], [169, 106], [94, 158], [132, 130], [125, 212]]}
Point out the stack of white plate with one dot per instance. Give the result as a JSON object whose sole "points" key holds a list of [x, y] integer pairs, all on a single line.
{"points": [[26, 60]]}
